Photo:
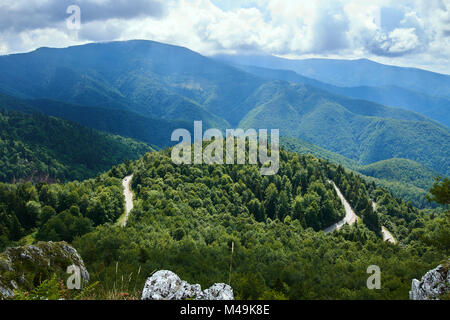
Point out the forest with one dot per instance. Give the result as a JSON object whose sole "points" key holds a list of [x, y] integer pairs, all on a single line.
{"points": [[187, 218], [36, 147]]}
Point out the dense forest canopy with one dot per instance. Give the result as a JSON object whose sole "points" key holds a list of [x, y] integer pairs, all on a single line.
{"points": [[186, 218]]}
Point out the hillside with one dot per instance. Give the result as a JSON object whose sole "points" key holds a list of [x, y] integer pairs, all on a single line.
{"points": [[405, 179], [40, 148], [155, 132], [436, 108], [186, 218], [358, 130], [401, 170]]}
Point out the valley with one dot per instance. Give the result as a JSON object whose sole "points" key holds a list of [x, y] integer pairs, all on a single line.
{"points": [[86, 158]]}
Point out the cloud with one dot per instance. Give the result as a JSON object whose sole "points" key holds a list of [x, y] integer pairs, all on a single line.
{"points": [[396, 43], [413, 32], [37, 14]]}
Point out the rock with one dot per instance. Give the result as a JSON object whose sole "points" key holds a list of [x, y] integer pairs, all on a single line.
{"points": [[219, 291], [434, 283], [166, 285], [6, 293], [22, 267]]}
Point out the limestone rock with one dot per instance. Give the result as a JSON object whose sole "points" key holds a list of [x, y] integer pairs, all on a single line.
{"points": [[19, 266], [433, 284], [166, 285], [218, 291]]}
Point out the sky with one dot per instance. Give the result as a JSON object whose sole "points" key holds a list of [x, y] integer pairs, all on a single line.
{"points": [[413, 33]]}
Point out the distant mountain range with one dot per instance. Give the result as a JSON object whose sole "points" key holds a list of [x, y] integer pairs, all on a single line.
{"points": [[352, 73], [436, 108], [145, 89]]}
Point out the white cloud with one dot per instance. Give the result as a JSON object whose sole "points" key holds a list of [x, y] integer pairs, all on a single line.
{"points": [[410, 32]]}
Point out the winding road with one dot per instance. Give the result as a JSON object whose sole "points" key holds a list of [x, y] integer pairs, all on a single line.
{"points": [[128, 194], [350, 216]]}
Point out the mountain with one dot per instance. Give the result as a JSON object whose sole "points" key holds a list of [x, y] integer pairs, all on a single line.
{"points": [[150, 78], [401, 170], [41, 148], [436, 108], [359, 130], [155, 132], [144, 89], [405, 179], [353, 73]]}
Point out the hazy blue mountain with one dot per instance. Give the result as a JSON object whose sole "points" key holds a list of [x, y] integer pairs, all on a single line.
{"points": [[353, 73], [436, 108]]}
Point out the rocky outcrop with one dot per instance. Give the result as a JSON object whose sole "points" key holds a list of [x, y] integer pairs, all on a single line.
{"points": [[25, 267], [166, 285], [434, 283]]}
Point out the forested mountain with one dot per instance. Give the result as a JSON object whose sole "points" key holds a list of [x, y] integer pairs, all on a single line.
{"points": [[358, 130], [406, 179], [153, 79], [186, 218], [41, 148], [436, 108], [401, 170], [155, 132], [145, 89]]}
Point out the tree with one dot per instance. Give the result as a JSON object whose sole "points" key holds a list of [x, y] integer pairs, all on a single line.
{"points": [[270, 201], [440, 191]]}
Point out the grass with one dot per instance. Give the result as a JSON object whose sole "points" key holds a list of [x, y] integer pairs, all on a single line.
{"points": [[29, 239]]}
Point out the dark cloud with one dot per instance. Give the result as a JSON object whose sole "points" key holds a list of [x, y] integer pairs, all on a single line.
{"points": [[33, 15]]}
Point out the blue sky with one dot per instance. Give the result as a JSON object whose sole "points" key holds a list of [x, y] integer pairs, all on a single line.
{"points": [[400, 32]]}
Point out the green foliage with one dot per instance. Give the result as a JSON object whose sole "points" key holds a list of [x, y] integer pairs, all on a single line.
{"points": [[359, 130], [54, 289], [50, 289], [400, 170], [187, 217], [440, 192], [60, 211], [406, 179]]}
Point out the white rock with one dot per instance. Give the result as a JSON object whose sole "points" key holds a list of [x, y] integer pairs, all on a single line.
{"points": [[6, 293], [166, 285], [218, 291], [434, 283]]}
